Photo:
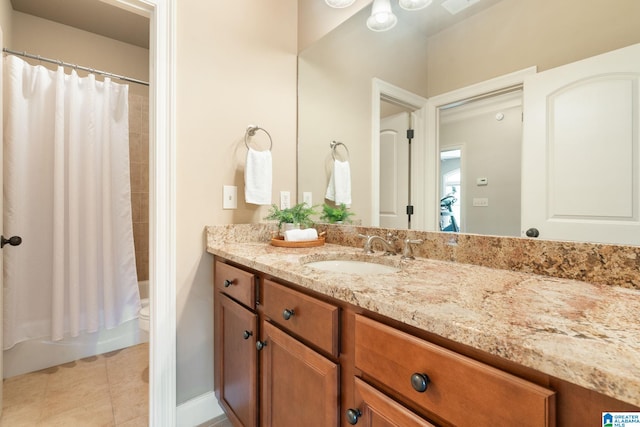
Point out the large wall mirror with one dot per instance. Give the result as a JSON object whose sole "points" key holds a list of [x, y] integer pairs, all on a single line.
{"points": [[473, 170]]}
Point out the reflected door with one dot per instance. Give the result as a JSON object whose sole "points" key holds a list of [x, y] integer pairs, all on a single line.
{"points": [[394, 171], [581, 150]]}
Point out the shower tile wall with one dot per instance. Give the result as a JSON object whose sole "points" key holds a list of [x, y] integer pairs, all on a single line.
{"points": [[139, 160]]}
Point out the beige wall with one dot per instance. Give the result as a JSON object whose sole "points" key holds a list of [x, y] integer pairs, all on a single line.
{"points": [[236, 65], [317, 19], [56, 41], [515, 34], [6, 14]]}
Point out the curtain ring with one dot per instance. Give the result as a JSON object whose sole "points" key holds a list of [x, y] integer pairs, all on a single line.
{"points": [[251, 131]]}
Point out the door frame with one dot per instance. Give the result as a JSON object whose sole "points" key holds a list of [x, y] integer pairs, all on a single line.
{"points": [[462, 95], [382, 90], [162, 205]]}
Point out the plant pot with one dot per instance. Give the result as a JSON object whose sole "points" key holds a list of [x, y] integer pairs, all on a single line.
{"points": [[289, 226]]}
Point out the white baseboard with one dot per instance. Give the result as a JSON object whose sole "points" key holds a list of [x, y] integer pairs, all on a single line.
{"points": [[198, 410]]}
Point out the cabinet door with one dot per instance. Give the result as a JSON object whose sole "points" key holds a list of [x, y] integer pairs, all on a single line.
{"points": [[375, 409], [299, 386], [236, 361]]}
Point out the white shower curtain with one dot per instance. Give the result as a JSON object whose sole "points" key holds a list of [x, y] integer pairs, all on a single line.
{"points": [[67, 193]]}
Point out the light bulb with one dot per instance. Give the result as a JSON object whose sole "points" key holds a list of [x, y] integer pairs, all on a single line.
{"points": [[414, 4], [382, 18]]}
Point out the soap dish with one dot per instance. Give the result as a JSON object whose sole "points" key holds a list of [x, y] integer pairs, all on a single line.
{"points": [[280, 242]]}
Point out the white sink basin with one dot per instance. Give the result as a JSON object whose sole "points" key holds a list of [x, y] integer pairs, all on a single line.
{"points": [[352, 267]]}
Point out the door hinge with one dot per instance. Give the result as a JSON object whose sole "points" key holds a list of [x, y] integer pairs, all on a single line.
{"points": [[410, 210], [409, 134]]}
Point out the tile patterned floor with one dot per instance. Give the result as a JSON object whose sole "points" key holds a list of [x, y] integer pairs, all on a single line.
{"points": [[111, 389]]}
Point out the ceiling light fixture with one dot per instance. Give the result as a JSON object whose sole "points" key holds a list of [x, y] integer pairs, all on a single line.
{"points": [[414, 4], [382, 18], [339, 4]]}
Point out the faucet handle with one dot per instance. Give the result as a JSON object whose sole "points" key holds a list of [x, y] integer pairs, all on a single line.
{"points": [[407, 251], [367, 243]]}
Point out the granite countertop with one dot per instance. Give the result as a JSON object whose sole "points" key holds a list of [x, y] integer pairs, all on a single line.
{"points": [[583, 333]]}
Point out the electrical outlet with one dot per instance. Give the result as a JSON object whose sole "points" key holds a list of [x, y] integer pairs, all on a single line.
{"points": [[285, 199], [307, 198], [229, 197], [482, 202]]}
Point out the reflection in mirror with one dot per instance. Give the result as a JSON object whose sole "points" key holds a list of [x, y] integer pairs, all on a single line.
{"points": [[450, 189], [431, 53], [489, 131]]}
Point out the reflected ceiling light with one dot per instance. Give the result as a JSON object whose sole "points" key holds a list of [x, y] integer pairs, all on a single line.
{"points": [[414, 4], [339, 4], [382, 18]]}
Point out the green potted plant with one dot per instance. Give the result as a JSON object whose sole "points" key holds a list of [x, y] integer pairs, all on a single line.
{"points": [[335, 214], [298, 215]]}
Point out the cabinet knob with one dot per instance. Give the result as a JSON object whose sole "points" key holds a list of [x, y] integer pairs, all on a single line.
{"points": [[420, 382], [228, 283], [532, 232], [353, 415], [247, 334], [260, 345], [288, 313]]}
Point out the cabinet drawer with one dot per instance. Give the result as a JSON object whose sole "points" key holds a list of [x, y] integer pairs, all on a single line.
{"points": [[311, 319], [459, 390], [237, 283]]}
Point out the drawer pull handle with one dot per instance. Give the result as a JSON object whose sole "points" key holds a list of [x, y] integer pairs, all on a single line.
{"points": [[353, 415], [420, 382], [288, 313], [228, 283], [247, 334], [260, 345]]}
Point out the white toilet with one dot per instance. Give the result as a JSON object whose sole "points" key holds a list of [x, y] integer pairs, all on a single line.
{"points": [[143, 315]]}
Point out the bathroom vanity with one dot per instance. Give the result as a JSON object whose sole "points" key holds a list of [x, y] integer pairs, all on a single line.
{"points": [[433, 343]]}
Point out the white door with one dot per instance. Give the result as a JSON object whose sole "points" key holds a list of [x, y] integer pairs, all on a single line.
{"points": [[394, 171], [581, 150]]}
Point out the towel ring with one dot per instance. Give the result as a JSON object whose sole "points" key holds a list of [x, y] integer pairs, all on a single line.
{"points": [[251, 131], [334, 146]]}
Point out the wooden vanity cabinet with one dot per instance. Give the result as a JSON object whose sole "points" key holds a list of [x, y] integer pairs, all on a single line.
{"points": [[299, 386], [323, 362], [276, 352], [236, 332], [238, 361]]}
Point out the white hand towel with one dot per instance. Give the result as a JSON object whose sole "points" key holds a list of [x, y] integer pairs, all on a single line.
{"points": [[298, 235], [257, 177], [339, 188]]}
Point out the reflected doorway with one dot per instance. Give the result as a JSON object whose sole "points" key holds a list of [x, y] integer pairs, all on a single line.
{"points": [[451, 190]]}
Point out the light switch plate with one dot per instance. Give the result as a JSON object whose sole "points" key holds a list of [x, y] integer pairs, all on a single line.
{"points": [[307, 198], [229, 197], [480, 202], [285, 199]]}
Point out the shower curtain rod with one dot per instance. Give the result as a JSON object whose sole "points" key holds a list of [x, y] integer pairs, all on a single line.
{"points": [[77, 67]]}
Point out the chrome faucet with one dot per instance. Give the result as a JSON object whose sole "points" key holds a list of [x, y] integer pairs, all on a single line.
{"points": [[387, 245]]}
